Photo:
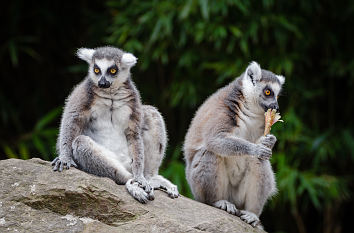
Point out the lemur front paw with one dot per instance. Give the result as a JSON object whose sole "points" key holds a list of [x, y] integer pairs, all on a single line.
{"points": [[139, 193], [172, 192], [269, 140], [227, 206], [142, 182], [250, 218], [60, 163], [262, 152]]}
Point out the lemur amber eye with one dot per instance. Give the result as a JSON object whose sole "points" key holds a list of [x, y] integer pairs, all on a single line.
{"points": [[113, 71], [267, 92], [96, 70]]}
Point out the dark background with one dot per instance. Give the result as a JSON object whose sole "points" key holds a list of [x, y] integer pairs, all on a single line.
{"points": [[187, 50]]}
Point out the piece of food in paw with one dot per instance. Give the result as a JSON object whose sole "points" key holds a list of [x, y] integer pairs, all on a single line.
{"points": [[271, 116]]}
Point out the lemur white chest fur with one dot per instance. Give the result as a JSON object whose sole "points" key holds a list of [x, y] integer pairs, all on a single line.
{"points": [[109, 116], [250, 127]]}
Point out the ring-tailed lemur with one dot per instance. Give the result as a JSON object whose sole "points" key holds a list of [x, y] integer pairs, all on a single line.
{"points": [[106, 131], [226, 155]]}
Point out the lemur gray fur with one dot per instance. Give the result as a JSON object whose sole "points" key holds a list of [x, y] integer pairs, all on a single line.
{"points": [[106, 131], [226, 154]]}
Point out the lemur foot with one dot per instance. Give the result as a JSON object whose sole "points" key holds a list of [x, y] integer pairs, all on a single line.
{"points": [[227, 206], [59, 164], [142, 182], [135, 189], [159, 182], [250, 218], [172, 192], [259, 226]]}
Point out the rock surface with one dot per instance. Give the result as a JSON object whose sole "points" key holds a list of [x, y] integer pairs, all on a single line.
{"points": [[35, 199]]}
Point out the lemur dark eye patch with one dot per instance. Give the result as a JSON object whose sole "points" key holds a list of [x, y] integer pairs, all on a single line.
{"points": [[96, 69], [268, 92], [112, 70]]}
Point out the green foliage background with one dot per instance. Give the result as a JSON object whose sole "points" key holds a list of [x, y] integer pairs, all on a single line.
{"points": [[187, 50]]}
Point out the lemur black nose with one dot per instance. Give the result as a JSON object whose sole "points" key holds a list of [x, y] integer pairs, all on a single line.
{"points": [[103, 83], [274, 106]]}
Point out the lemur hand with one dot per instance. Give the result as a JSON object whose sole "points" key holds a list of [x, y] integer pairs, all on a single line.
{"points": [[262, 152], [60, 163], [269, 140], [140, 189], [142, 182]]}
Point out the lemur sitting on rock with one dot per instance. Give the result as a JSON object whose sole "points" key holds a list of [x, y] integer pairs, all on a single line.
{"points": [[106, 131]]}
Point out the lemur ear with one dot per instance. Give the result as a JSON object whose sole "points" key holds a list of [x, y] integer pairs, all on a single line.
{"points": [[85, 54], [253, 72], [281, 79], [128, 60]]}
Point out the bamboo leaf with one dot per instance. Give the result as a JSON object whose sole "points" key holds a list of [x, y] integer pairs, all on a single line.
{"points": [[23, 150], [48, 118], [9, 152]]}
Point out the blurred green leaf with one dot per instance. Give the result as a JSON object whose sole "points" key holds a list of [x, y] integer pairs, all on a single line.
{"points": [[9, 152], [204, 8], [13, 53], [48, 118], [23, 150]]}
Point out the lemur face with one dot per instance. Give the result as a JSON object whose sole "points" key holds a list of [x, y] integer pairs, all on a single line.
{"points": [[262, 87], [268, 95], [108, 65], [104, 72]]}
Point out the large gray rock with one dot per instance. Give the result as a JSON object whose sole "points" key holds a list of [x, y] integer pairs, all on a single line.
{"points": [[35, 199]]}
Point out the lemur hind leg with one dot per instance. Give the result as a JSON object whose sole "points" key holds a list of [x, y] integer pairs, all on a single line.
{"points": [[260, 185], [207, 177], [98, 160], [155, 140]]}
